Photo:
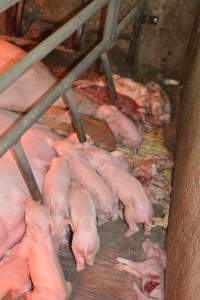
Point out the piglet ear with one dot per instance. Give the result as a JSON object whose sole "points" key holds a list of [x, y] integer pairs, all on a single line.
{"points": [[69, 222]]}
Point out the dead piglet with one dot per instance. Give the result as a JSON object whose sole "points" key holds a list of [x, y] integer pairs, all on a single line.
{"points": [[123, 128], [85, 242], [151, 271], [37, 246], [56, 197], [106, 203], [137, 207]]}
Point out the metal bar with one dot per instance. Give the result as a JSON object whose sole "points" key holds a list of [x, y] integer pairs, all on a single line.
{"points": [[5, 4], [26, 171], [111, 22], [137, 26], [13, 134], [48, 45], [108, 73], [128, 18], [79, 34], [19, 17], [70, 100]]}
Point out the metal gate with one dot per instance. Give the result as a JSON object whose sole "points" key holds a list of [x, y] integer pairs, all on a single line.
{"points": [[112, 29]]}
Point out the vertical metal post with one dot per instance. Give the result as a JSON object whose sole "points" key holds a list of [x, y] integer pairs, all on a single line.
{"points": [[26, 171], [79, 33], [108, 73], [70, 100], [19, 17], [109, 37], [137, 26], [112, 16]]}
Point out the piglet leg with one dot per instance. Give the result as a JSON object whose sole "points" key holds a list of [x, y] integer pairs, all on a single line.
{"points": [[45, 270], [128, 266]]}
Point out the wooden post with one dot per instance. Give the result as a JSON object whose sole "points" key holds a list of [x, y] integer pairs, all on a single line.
{"points": [[183, 239]]}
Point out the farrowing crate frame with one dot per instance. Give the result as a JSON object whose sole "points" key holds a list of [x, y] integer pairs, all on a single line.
{"points": [[112, 30]]}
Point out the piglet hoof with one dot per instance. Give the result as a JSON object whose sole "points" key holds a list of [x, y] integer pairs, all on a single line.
{"points": [[90, 261], [130, 232], [68, 287], [80, 268], [147, 229]]}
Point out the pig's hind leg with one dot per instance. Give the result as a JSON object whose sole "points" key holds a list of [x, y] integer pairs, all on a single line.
{"points": [[131, 230], [80, 262]]}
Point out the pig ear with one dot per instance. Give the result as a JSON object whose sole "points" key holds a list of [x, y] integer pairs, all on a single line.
{"points": [[69, 222]]}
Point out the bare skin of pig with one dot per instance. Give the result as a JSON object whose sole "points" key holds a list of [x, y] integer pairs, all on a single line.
{"points": [[85, 241], [38, 248], [37, 143], [56, 197], [16, 267], [105, 203], [18, 96], [124, 130], [127, 188]]}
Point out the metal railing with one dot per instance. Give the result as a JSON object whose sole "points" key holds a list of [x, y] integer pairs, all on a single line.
{"points": [[112, 30]]}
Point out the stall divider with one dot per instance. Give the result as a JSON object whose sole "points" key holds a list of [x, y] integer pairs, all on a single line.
{"points": [[112, 30]]}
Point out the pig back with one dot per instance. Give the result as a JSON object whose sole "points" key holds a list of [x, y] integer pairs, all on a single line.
{"points": [[26, 90]]}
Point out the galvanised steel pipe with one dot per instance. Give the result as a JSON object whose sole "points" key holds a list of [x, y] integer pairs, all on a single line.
{"points": [[109, 35], [14, 133], [5, 4], [49, 44]]}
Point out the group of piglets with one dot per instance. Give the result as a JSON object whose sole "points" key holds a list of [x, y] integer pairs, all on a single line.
{"points": [[82, 186], [95, 181]]}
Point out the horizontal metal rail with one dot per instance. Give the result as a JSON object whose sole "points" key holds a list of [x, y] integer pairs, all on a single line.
{"points": [[5, 4], [14, 133]]}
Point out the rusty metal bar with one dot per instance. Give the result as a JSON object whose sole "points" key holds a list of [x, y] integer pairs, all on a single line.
{"points": [[137, 26], [108, 73], [18, 17], [19, 128], [26, 171], [5, 4], [73, 107], [49, 44]]}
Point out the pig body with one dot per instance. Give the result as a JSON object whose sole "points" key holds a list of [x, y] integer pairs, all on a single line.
{"points": [[85, 242], [38, 79], [56, 197], [106, 204], [38, 248], [14, 276], [122, 127], [127, 188], [13, 190]]}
